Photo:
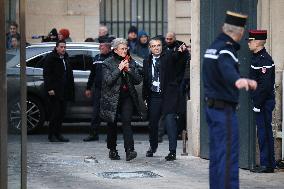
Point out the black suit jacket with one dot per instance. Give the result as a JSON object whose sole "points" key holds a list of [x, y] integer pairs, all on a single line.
{"points": [[169, 81]]}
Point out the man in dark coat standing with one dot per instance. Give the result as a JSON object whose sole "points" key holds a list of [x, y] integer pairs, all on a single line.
{"points": [[59, 87], [161, 94], [172, 45]]}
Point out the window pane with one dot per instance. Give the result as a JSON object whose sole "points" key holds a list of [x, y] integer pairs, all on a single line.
{"points": [[150, 15], [36, 62], [76, 59]]}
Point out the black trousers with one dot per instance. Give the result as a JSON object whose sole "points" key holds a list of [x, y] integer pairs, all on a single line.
{"points": [[96, 121], [57, 108], [155, 113], [126, 110]]}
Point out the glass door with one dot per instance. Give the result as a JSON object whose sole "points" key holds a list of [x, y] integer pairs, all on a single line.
{"points": [[12, 95]]}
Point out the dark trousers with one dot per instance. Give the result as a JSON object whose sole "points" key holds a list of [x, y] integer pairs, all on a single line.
{"points": [[224, 148], [126, 111], [155, 113], [96, 121], [265, 135], [170, 121], [57, 108]]}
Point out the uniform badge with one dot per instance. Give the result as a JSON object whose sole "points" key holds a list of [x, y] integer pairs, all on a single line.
{"points": [[263, 70]]}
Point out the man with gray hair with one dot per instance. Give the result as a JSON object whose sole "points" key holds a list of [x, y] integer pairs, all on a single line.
{"points": [[222, 82], [161, 93], [104, 36], [119, 96]]}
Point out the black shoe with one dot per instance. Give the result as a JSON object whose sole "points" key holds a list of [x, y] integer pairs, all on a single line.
{"points": [[60, 138], [91, 138], [113, 155], [52, 138], [171, 156], [130, 154], [263, 170], [150, 152]]}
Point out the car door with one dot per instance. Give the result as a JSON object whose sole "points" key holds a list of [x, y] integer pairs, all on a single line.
{"points": [[82, 106]]}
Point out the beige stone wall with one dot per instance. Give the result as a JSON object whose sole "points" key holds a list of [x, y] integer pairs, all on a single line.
{"points": [[270, 16], [193, 110], [179, 19], [81, 17]]}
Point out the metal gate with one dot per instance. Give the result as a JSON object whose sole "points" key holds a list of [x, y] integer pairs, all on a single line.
{"points": [[149, 15], [212, 17]]}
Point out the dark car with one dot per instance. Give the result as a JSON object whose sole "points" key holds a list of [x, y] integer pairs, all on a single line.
{"points": [[81, 58]]}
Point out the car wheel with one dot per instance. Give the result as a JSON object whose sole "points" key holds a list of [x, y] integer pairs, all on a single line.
{"points": [[35, 115]]}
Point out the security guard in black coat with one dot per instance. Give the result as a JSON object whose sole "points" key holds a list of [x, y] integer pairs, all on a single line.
{"points": [[222, 81], [59, 87], [263, 71], [95, 81]]}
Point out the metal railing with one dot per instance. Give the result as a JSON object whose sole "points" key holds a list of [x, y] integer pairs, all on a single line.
{"points": [[119, 15]]}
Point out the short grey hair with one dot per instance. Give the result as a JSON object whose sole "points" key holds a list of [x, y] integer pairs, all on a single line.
{"points": [[155, 39], [119, 41], [232, 29]]}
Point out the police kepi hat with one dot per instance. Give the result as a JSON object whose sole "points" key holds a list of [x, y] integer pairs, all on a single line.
{"points": [[257, 35], [236, 19]]}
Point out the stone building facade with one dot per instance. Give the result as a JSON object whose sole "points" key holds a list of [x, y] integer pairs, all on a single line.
{"points": [[269, 16], [82, 17]]}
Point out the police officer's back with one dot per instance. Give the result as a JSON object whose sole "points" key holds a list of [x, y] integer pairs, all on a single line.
{"points": [[222, 82]]}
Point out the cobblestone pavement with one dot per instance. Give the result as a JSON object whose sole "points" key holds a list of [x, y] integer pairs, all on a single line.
{"points": [[64, 165]]}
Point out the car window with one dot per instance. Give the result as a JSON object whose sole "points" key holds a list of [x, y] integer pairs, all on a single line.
{"points": [[93, 53], [76, 59], [36, 62]]}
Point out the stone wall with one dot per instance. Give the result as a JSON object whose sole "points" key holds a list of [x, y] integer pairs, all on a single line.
{"points": [[179, 19], [81, 17], [270, 16]]}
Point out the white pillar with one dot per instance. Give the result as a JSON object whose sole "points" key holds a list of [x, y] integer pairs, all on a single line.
{"points": [[193, 106]]}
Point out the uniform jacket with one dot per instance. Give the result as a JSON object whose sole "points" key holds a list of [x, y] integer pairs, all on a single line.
{"points": [[111, 84], [96, 71], [263, 72], [55, 77], [221, 69], [169, 81]]}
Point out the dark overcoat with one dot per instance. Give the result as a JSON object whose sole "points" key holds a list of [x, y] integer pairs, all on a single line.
{"points": [[169, 72], [56, 78], [111, 84]]}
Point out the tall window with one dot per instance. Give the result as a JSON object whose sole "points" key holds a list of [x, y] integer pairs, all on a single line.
{"points": [[149, 15]]}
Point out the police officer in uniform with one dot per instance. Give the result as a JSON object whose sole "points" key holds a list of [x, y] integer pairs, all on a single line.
{"points": [[95, 78], [263, 71], [222, 83]]}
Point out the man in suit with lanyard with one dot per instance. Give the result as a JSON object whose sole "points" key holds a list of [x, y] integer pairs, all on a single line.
{"points": [[161, 92]]}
